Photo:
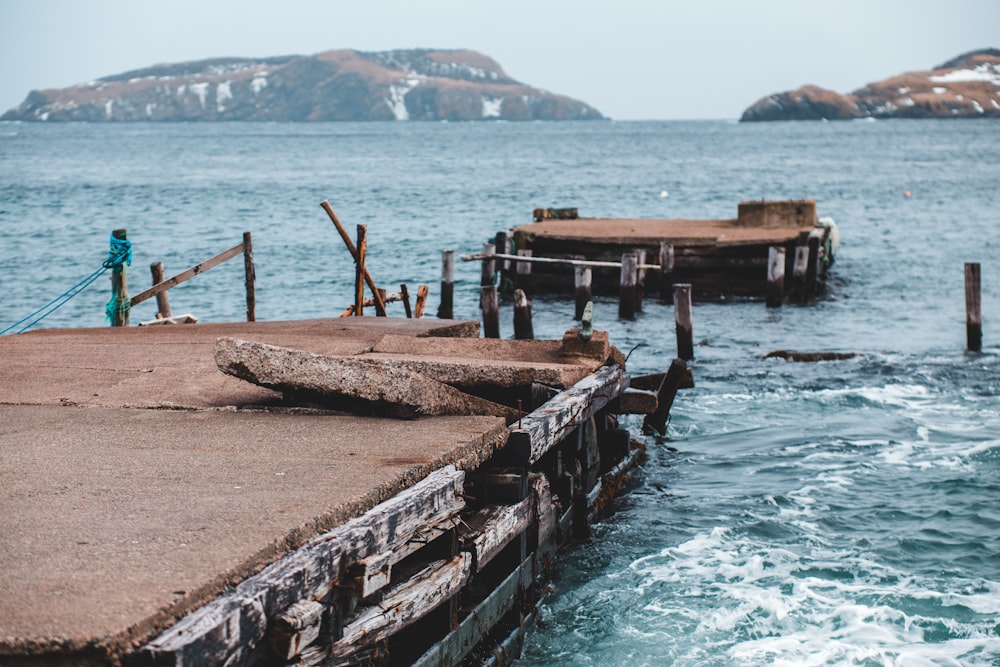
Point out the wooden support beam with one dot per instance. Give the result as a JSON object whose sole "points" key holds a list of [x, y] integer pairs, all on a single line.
{"points": [[666, 272], [523, 329], [548, 425], [493, 528], [404, 293], [799, 272], [421, 303], [187, 275], [640, 279], [523, 268], [489, 272], [775, 276], [493, 256], [655, 423]]}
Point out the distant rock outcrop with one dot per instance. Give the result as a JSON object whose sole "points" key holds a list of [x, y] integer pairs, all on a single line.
{"points": [[965, 87], [341, 85]]}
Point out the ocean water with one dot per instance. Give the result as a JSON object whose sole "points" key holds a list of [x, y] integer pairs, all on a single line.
{"points": [[833, 513]]}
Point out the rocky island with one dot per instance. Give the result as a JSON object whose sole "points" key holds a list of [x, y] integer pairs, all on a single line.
{"points": [[965, 87], [338, 85]]}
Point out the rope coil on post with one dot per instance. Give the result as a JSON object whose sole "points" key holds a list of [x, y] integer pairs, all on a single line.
{"points": [[119, 256], [120, 252]]}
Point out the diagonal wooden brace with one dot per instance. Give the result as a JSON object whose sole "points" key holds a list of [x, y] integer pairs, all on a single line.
{"points": [[379, 304]]}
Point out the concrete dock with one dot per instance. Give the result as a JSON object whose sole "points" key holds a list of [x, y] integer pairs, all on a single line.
{"points": [[138, 483]]}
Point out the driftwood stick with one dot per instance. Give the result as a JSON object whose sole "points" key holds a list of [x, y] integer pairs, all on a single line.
{"points": [[379, 307]]}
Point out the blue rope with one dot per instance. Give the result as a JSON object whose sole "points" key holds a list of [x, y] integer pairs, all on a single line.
{"points": [[120, 253]]}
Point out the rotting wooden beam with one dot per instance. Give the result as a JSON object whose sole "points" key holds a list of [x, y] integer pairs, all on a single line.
{"points": [[205, 636], [187, 275], [478, 623], [494, 528], [401, 606], [540, 430], [379, 308]]}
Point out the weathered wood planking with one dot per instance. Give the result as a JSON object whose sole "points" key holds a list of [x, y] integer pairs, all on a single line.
{"points": [[401, 606], [371, 574], [496, 527], [554, 420], [480, 621], [229, 629]]}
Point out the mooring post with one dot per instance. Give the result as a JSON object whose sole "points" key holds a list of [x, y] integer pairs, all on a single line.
{"points": [[251, 277], [812, 269], [405, 293], [446, 308], [640, 279], [799, 271], [118, 307], [491, 311], [775, 276], [489, 265], [973, 308], [162, 300], [359, 280], [502, 243], [666, 272], [682, 316], [626, 289], [523, 329], [523, 269], [582, 278], [421, 302]]}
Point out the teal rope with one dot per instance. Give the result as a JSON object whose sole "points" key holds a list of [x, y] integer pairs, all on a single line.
{"points": [[120, 253]]}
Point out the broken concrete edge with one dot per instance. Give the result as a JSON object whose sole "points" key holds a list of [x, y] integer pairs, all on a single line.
{"points": [[112, 649]]}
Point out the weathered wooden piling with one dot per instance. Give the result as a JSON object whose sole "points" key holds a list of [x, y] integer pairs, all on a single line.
{"points": [[523, 329], [490, 306], [812, 269], [775, 276], [489, 265], [446, 308], [627, 286], [250, 277], [523, 269], [640, 279], [379, 306], [973, 308], [421, 302], [800, 272], [405, 293], [162, 300], [683, 319], [666, 272], [583, 293], [359, 279], [119, 306]]}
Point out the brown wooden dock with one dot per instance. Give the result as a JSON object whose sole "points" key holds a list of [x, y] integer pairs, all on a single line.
{"points": [[139, 485], [718, 257]]}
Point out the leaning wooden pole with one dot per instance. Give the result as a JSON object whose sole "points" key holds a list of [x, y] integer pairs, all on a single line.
{"points": [[251, 277], [379, 306], [973, 308]]}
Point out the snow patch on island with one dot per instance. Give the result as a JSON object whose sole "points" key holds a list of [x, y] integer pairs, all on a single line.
{"points": [[938, 90], [108, 107], [223, 92], [259, 83], [397, 97], [989, 72], [201, 90], [491, 106]]}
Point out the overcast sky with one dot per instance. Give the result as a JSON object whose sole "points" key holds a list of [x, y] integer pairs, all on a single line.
{"points": [[652, 59]]}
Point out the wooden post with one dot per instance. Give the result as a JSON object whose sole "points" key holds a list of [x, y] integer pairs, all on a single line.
{"points": [[418, 307], [502, 243], [251, 277], [799, 271], [523, 268], [812, 270], [666, 272], [640, 279], [359, 279], [162, 300], [489, 265], [405, 293], [626, 289], [583, 291], [655, 423], [523, 329], [973, 305], [682, 316], [446, 309], [491, 311], [118, 308], [775, 276]]}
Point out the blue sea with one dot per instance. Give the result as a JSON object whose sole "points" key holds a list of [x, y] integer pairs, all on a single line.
{"points": [[832, 513]]}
